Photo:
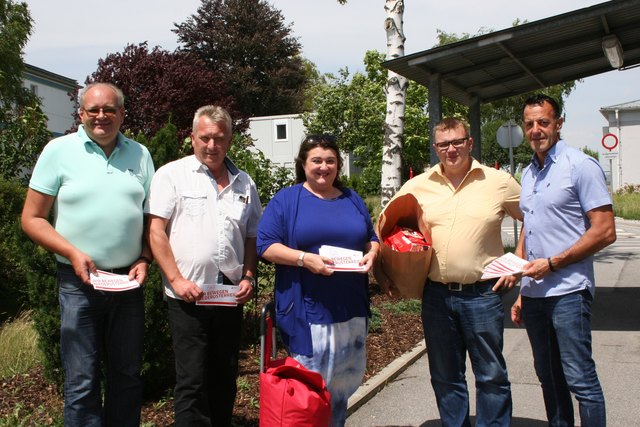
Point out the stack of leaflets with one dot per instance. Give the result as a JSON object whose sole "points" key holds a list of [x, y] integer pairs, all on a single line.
{"points": [[105, 281], [507, 265], [343, 259]]}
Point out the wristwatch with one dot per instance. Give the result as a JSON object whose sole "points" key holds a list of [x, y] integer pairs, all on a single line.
{"points": [[300, 261], [251, 280]]}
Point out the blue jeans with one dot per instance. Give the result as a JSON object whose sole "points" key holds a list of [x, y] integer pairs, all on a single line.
{"points": [[559, 330], [457, 322], [206, 345], [99, 326]]}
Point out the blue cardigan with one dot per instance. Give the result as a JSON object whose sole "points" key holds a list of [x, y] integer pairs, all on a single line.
{"points": [[291, 317]]}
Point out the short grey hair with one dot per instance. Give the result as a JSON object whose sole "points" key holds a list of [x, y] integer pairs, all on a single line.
{"points": [[215, 113], [114, 88]]}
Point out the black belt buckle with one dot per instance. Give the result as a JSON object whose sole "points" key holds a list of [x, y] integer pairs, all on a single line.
{"points": [[455, 287]]}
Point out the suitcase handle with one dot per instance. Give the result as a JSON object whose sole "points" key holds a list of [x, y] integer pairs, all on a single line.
{"points": [[267, 337]]}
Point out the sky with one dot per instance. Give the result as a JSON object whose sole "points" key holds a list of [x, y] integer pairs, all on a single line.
{"points": [[70, 37]]}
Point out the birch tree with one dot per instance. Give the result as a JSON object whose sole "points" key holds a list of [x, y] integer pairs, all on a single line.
{"points": [[396, 91]]}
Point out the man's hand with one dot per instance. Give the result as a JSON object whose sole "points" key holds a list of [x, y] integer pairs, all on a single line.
{"points": [[245, 293], [187, 290], [537, 269], [83, 266], [139, 271], [516, 312], [505, 283]]}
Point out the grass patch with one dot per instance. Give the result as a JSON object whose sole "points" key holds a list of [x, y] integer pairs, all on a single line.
{"points": [[19, 351], [409, 306], [627, 205]]}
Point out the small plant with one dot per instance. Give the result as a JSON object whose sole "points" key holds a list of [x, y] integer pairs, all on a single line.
{"points": [[243, 383], [375, 323], [409, 306]]}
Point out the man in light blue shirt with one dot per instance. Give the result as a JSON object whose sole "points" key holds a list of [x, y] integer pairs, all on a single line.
{"points": [[568, 217], [96, 181]]}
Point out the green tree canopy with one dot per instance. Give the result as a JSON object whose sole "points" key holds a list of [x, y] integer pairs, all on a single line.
{"points": [[23, 126], [352, 107], [15, 29], [247, 42]]}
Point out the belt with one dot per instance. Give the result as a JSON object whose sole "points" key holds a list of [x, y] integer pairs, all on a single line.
{"points": [[225, 280], [460, 287], [118, 270]]}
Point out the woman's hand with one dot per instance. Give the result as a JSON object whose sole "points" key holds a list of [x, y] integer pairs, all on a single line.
{"points": [[368, 261], [317, 264]]}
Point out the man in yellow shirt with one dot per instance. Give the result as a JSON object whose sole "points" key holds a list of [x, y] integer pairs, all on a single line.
{"points": [[463, 204]]}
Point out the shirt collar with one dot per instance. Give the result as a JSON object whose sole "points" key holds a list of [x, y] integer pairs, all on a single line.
{"points": [[551, 155], [438, 169], [82, 134], [196, 165]]}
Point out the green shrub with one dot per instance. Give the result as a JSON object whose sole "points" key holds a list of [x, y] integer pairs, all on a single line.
{"points": [[376, 321], [408, 306]]}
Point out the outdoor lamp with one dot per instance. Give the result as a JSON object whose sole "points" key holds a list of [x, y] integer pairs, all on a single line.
{"points": [[613, 50]]}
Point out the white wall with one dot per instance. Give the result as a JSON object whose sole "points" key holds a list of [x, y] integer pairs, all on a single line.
{"points": [[622, 162]]}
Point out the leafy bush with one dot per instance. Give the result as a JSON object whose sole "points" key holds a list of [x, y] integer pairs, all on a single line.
{"points": [[376, 321]]}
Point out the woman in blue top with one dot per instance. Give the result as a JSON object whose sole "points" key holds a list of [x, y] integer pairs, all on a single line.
{"points": [[321, 314]]}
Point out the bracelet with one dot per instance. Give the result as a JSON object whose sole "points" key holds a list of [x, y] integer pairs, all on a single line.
{"points": [[550, 264], [145, 259], [250, 279]]}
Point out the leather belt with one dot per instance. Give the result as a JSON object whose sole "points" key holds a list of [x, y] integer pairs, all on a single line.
{"points": [[460, 287], [118, 270]]}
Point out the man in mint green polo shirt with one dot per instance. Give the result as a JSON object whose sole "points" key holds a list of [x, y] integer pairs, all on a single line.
{"points": [[96, 180]]}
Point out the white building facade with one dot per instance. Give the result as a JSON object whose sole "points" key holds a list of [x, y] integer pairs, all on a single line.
{"points": [[621, 144], [279, 138], [53, 90]]}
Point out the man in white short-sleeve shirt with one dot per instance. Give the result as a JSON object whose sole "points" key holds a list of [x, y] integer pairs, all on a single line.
{"points": [[204, 215]]}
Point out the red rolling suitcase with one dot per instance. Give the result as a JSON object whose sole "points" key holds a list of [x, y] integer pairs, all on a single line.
{"points": [[290, 394]]}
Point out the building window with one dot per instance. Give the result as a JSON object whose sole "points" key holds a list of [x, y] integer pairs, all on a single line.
{"points": [[281, 130], [34, 89]]}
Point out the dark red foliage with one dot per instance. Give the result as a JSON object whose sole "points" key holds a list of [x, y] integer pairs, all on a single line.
{"points": [[159, 85]]}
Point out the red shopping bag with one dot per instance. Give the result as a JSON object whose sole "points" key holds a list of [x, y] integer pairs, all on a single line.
{"points": [[290, 394]]}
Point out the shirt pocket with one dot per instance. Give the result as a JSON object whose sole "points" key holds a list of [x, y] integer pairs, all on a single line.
{"points": [[194, 204], [238, 207]]}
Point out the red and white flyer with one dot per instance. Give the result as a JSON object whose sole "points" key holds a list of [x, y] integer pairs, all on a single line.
{"points": [[343, 259], [506, 265], [105, 281], [218, 294]]}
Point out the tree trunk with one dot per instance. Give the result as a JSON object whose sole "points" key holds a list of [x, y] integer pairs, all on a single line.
{"points": [[396, 91]]}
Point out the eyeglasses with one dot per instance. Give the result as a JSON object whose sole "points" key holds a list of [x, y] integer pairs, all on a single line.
{"points": [[107, 111], [457, 143]]}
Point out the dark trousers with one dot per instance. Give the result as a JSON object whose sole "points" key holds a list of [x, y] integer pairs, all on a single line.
{"points": [[206, 343]]}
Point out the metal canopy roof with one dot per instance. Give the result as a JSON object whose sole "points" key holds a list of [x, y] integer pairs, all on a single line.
{"points": [[528, 57]]}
